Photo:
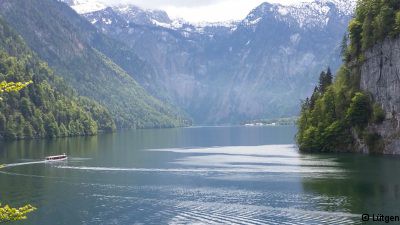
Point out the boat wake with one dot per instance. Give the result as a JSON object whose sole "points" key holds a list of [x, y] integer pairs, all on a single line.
{"points": [[264, 169], [76, 159], [23, 164]]}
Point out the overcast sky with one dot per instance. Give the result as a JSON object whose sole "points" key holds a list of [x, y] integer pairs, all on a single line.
{"points": [[203, 10]]}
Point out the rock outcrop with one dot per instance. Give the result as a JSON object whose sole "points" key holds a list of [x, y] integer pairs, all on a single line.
{"points": [[380, 76], [225, 73]]}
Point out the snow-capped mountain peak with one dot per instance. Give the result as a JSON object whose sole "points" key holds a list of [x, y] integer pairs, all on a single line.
{"points": [[85, 6], [345, 6], [141, 16], [275, 49], [305, 14]]}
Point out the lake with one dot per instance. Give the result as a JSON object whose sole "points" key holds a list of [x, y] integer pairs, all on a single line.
{"points": [[201, 175]]}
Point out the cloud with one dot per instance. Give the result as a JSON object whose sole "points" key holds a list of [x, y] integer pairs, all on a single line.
{"points": [[202, 10], [165, 3], [221, 11]]}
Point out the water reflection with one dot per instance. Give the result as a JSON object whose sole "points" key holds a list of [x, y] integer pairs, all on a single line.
{"points": [[199, 175], [371, 184]]}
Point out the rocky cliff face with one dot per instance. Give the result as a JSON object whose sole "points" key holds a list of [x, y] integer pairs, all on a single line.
{"points": [[259, 67], [380, 76]]}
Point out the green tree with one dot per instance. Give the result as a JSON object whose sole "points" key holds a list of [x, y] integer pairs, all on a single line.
{"points": [[9, 214], [343, 48], [334, 111], [397, 24], [383, 22], [355, 30], [359, 111], [314, 98], [12, 86], [325, 79], [367, 33], [378, 115], [28, 130]]}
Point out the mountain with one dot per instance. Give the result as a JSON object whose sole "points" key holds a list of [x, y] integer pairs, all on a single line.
{"points": [[360, 110], [89, 61], [46, 108], [259, 67]]}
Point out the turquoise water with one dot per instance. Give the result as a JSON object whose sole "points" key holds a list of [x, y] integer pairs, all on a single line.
{"points": [[204, 175]]}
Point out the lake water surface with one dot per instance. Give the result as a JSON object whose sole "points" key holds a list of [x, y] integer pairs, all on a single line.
{"points": [[204, 175]]}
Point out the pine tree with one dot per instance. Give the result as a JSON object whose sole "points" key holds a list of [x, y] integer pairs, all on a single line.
{"points": [[314, 98], [325, 79], [383, 22], [367, 33], [329, 76], [359, 111], [355, 30], [343, 48]]}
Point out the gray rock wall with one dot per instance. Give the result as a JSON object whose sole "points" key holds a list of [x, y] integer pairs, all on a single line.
{"points": [[380, 76]]}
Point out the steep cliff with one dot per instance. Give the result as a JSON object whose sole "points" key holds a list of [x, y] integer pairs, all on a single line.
{"points": [[224, 73], [380, 77], [89, 61], [359, 111]]}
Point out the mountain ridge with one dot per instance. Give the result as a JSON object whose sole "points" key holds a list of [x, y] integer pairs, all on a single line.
{"points": [[224, 73], [82, 55], [345, 7], [48, 107]]}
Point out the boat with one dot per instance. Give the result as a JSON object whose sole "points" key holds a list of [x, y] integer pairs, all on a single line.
{"points": [[56, 157]]}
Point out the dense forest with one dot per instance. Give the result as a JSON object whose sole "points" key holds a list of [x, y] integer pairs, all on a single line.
{"points": [[338, 112], [90, 62], [47, 107]]}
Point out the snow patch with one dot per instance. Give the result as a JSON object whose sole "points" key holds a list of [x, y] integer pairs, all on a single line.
{"points": [[87, 6], [283, 11], [253, 21]]}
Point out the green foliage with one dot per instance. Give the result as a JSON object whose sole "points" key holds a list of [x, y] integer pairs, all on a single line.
{"points": [[9, 214], [325, 126], [359, 111], [367, 34], [374, 21], [325, 79], [13, 86], [355, 30], [378, 115], [335, 111], [83, 56], [374, 142], [397, 23], [344, 48], [47, 106]]}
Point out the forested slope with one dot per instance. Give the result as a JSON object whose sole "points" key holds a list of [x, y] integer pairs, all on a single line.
{"points": [[46, 108], [345, 115], [75, 50]]}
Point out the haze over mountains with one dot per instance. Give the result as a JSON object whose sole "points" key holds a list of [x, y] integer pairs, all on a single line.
{"points": [[148, 70], [259, 67], [89, 61]]}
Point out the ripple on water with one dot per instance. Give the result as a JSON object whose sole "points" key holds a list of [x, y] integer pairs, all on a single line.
{"points": [[185, 204], [192, 212], [228, 162]]}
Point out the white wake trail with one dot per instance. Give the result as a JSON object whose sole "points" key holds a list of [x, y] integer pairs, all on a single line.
{"points": [[23, 164]]}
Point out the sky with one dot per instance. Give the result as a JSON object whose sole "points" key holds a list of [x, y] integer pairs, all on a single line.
{"points": [[203, 10]]}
